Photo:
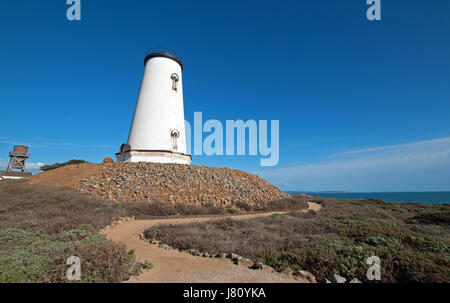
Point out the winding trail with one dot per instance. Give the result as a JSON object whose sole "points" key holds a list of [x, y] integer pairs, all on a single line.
{"points": [[172, 266]]}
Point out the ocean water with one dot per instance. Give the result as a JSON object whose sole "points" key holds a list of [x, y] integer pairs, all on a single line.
{"points": [[432, 197]]}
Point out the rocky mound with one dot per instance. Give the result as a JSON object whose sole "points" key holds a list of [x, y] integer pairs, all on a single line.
{"points": [[173, 183]]}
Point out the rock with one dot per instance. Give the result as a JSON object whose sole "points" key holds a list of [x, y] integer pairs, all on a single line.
{"points": [[287, 271], [205, 254], [108, 160], [165, 246], [234, 256], [354, 280], [243, 261], [306, 275], [257, 266], [174, 183], [194, 252], [268, 268], [338, 279]]}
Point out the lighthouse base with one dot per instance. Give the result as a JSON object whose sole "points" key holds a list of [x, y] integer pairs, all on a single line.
{"points": [[153, 156]]}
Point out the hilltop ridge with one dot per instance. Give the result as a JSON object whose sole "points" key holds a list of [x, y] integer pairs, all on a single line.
{"points": [[171, 183]]}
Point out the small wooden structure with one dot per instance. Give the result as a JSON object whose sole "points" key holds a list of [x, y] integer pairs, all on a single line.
{"points": [[18, 158]]}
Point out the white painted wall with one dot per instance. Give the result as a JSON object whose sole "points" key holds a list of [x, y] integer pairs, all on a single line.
{"points": [[10, 177], [157, 157], [159, 110]]}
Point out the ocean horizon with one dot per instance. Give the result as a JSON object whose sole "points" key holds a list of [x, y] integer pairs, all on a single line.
{"points": [[431, 197]]}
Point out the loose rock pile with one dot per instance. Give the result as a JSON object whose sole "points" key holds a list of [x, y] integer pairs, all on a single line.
{"points": [[174, 183], [115, 223]]}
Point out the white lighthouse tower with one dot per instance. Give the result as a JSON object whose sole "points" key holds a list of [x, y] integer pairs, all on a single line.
{"points": [[157, 133]]}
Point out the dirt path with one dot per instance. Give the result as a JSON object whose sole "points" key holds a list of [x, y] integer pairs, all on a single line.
{"points": [[171, 266]]}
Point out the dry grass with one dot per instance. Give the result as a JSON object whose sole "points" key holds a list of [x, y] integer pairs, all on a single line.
{"points": [[37, 257], [338, 239], [41, 226], [54, 209], [50, 209]]}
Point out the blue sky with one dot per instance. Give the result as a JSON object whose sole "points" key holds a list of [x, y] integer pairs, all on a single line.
{"points": [[363, 106]]}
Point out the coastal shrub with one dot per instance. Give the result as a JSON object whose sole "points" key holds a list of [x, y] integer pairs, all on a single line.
{"points": [[336, 240], [36, 257], [41, 226], [294, 203], [52, 209], [438, 218], [58, 165], [147, 265], [276, 216]]}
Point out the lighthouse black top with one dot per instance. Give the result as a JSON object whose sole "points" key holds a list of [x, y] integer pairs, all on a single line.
{"points": [[165, 55]]}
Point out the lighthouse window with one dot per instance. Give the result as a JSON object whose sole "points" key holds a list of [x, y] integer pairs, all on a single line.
{"points": [[175, 134], [175, 79]]}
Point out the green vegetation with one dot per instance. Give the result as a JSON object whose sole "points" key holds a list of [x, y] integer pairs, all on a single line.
{"points": [[438, 218], [147, 265], [40, 227], [412, 240], [57, 165], [38, 257]]}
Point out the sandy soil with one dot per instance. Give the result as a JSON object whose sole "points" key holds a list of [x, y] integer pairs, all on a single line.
{"points": [[67, 176], [172, 266]]}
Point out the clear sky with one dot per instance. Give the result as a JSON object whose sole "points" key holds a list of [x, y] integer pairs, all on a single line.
{"points": [[363, 106]]}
